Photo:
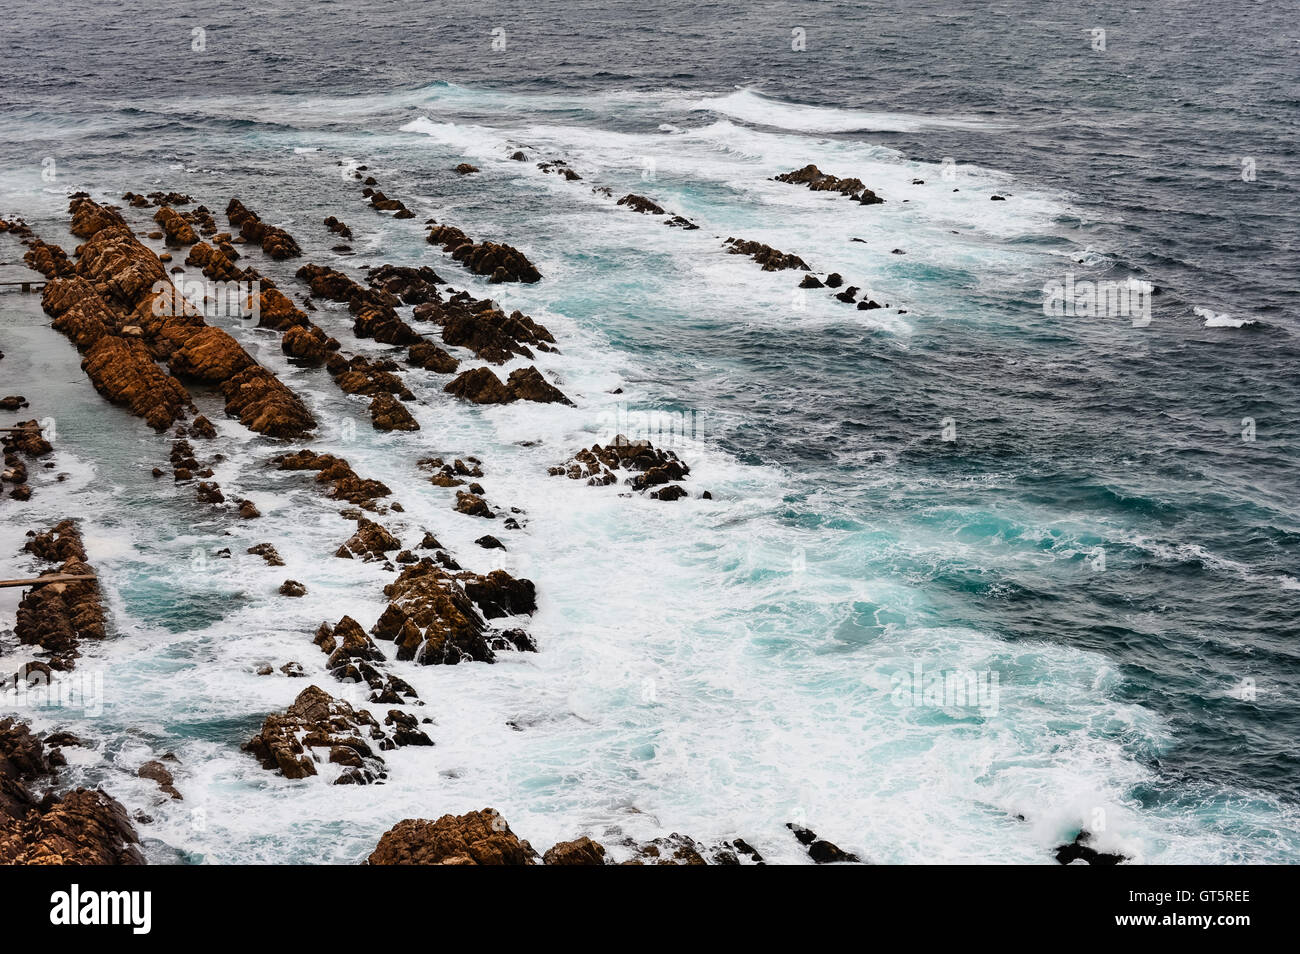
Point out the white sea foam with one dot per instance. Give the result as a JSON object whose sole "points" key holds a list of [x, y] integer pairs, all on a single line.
{"points": [[1220, 319], [754, 107]]}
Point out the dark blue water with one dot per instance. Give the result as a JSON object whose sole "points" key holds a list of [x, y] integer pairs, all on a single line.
{"points": [[1076, 437]]}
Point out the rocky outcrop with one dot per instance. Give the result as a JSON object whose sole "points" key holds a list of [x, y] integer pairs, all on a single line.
{"points": [[263, 404], [158, 773], [337, 227], [300, 338], [58, 616], [318, 731], [174, 225], [352, 656], [158, 198], [371, 540], [436, 617], [413, 286], [581, 851], [484, 838], [554, 166], [477, 324], [26, 442], [475, 838], [771, 259], [344, 484], [124, 313], [639, 203], [275, 242], [119, 365], [382, 203], [503, 263], [820, 850], [430, 357], [267, 552], [482, 386], [646, 465], [820, 181], [50, 260], [1082, 851], [450, 475], [387, 414], [80, 827]]}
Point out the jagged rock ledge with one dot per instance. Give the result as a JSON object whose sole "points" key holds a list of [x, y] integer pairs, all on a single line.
{"points": [[484, 838], [501, 262], [819, 181], [58, 616], [79, 827]]}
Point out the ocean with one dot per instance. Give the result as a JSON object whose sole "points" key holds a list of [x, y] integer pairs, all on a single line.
{"points": [[1097, 516]]}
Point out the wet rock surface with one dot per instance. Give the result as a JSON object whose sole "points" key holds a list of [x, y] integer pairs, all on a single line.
{"points": [[502, 263], [475, 838], [79, 827], [317, 730], [58, 616], [637, 463], [819, 181], [771, 259]]}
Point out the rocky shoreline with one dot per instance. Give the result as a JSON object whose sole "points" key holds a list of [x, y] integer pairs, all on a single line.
{"points": [[148, 349], [145, 347]]}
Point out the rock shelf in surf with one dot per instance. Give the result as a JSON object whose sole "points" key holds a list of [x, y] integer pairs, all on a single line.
{"points": [[344, 484], [78, 827], [647, 465], [436, 617], [58, 616], [819, 181], [122, 311], [771, 259], [290, 743], [639, 203], [482, 386], [275, 241], [498, 261], [484, 838], [352, 656], [27, 441]]}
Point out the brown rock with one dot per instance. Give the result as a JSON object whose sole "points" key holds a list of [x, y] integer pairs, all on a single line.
{"points": [[476, 838], [582, 851]]}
